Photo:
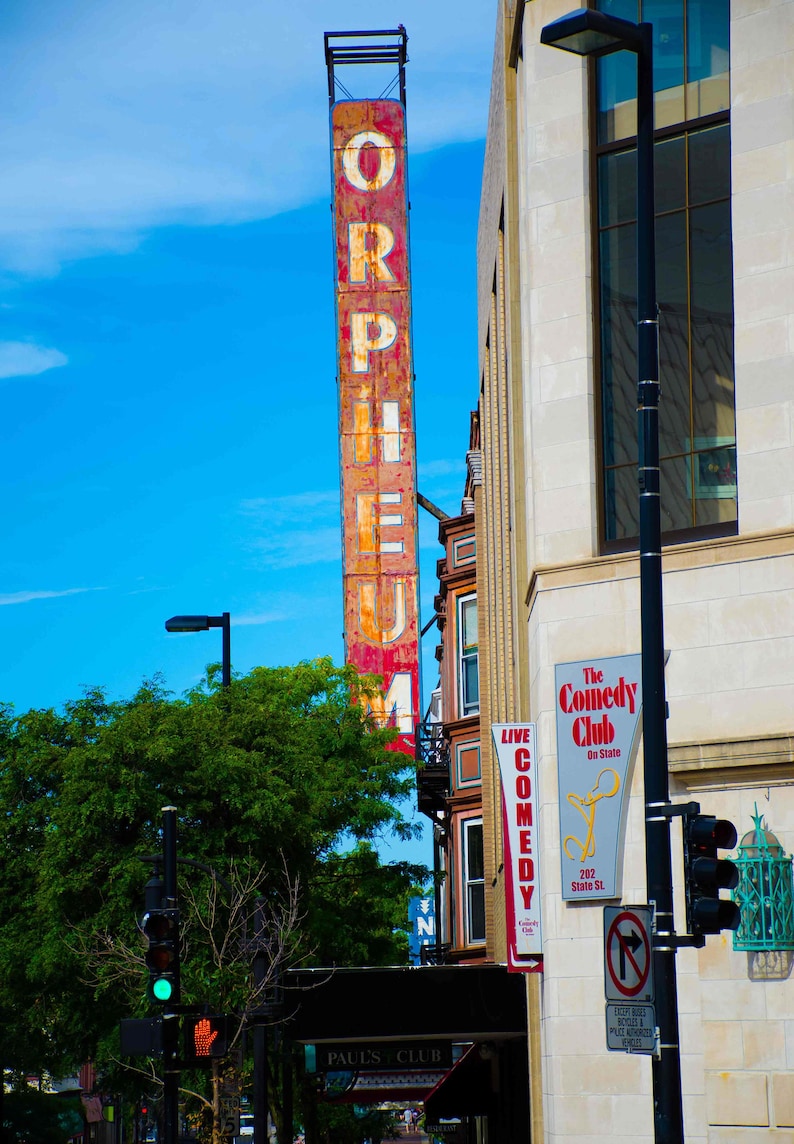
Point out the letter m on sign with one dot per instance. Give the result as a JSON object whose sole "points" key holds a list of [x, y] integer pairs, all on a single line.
{"points": [[396, 706]]}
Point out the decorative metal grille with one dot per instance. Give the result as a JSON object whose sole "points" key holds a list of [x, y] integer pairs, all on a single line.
{"points": [[764, 893], [433, 771]]}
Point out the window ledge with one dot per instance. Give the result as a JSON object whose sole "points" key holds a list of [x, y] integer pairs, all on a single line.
{"points": [[675, 558], [740, 762]]}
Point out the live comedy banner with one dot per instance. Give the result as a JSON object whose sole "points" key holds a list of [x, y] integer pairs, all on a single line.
{"points": [[598, 720], [516, 751]]}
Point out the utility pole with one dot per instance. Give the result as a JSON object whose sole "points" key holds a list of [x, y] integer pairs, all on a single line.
{"points": [[260, 1032], [170, 1017]]}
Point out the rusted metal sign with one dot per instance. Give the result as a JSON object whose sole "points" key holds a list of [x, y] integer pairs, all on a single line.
{"points": [[376, 414]]}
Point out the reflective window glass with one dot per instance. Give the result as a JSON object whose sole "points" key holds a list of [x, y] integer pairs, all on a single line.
{"points": [[673, 302], [708, 24], [617, 187], [616, 80], [709, 164], [694, 274], [669, 174], [621, 503], [676, 485], [619, 343], [667, 19]]}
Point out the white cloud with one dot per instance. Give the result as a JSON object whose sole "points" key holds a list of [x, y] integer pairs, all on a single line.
{"points": [[24, 359], [296, 548], [296, 508], [28, 597], [442, 469], [117, 117], [254, 619]]}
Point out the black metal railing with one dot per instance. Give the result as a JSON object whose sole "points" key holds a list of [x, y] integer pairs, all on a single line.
{"points": [[434, 954], [433, 768]]}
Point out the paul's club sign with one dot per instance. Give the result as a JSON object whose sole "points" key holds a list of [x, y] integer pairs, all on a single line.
{"points": [[376, 416]]}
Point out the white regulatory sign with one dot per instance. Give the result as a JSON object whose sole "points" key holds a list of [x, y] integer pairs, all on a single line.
{"points": [[628, 960], [631, 1027]]}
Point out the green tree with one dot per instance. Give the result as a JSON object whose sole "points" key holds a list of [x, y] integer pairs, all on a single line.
{"points": [[33, 1117], [273, 777]]}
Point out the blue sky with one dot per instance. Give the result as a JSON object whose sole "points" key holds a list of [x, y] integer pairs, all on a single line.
{"points": [[167, 343]]}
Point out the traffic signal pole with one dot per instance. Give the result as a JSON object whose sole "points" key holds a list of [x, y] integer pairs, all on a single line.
{"points": [[259, 1030], [170, 1019], [667, 1102]]}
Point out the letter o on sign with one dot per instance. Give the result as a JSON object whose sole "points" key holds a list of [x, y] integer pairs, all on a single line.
{"points": [[351, 161]]}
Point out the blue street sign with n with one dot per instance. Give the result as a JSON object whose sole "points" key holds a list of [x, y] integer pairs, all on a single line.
{"points": [[422, 916]]}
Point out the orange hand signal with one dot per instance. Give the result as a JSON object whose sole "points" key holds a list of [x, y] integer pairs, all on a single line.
{"points": [[203, 1036]]}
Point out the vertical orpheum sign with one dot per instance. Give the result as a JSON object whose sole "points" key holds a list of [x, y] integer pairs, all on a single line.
{"points": [[376, 417]]}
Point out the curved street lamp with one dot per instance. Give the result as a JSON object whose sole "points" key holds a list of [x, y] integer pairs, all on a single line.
{"points": [[587, 32], [203, 624]]}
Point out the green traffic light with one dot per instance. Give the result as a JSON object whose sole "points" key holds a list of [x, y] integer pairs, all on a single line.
{"points": [[162, 989]]}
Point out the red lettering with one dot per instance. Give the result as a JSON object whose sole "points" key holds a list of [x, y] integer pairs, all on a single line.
{"points": [[523, 787], [526, 870], [525, 841], [524, 814], [596, 698], [588, 732], [523, 759], [515, 734], [526, 894]]}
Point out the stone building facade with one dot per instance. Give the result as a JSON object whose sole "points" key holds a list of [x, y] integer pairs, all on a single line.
{"points": [[555, 513]]}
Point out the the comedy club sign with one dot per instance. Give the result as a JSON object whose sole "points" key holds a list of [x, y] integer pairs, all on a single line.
{"points": [[598, 714]]}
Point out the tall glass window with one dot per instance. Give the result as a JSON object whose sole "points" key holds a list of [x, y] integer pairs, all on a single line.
{"points": [[474, 877], [468, 667], [694, 270]]}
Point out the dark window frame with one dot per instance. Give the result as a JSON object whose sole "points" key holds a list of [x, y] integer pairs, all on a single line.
{"points": [[467, 825], [693, 533]]}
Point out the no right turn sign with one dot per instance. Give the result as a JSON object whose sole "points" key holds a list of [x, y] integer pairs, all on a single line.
{"points": [[628, 953]]}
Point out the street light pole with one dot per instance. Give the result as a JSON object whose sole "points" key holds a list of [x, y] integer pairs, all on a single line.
{"points": [[170, 1018], [260, 1032], [591, 33], [668, 1110], [203, 624]]}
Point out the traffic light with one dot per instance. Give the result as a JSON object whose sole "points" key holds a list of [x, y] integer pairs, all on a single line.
{"points": [[206, 1039], [705, 874], [161, 927]]}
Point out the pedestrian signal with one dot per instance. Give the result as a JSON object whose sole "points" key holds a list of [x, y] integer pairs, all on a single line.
{"points": [[206, 1039]]}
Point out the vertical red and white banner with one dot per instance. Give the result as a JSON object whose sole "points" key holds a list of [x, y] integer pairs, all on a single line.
{"points": [[516, 750], [376, 409]]}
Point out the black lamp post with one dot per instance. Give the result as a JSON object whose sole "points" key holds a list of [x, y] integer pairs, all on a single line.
{"points": [[590, 33], [203, 624]]}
